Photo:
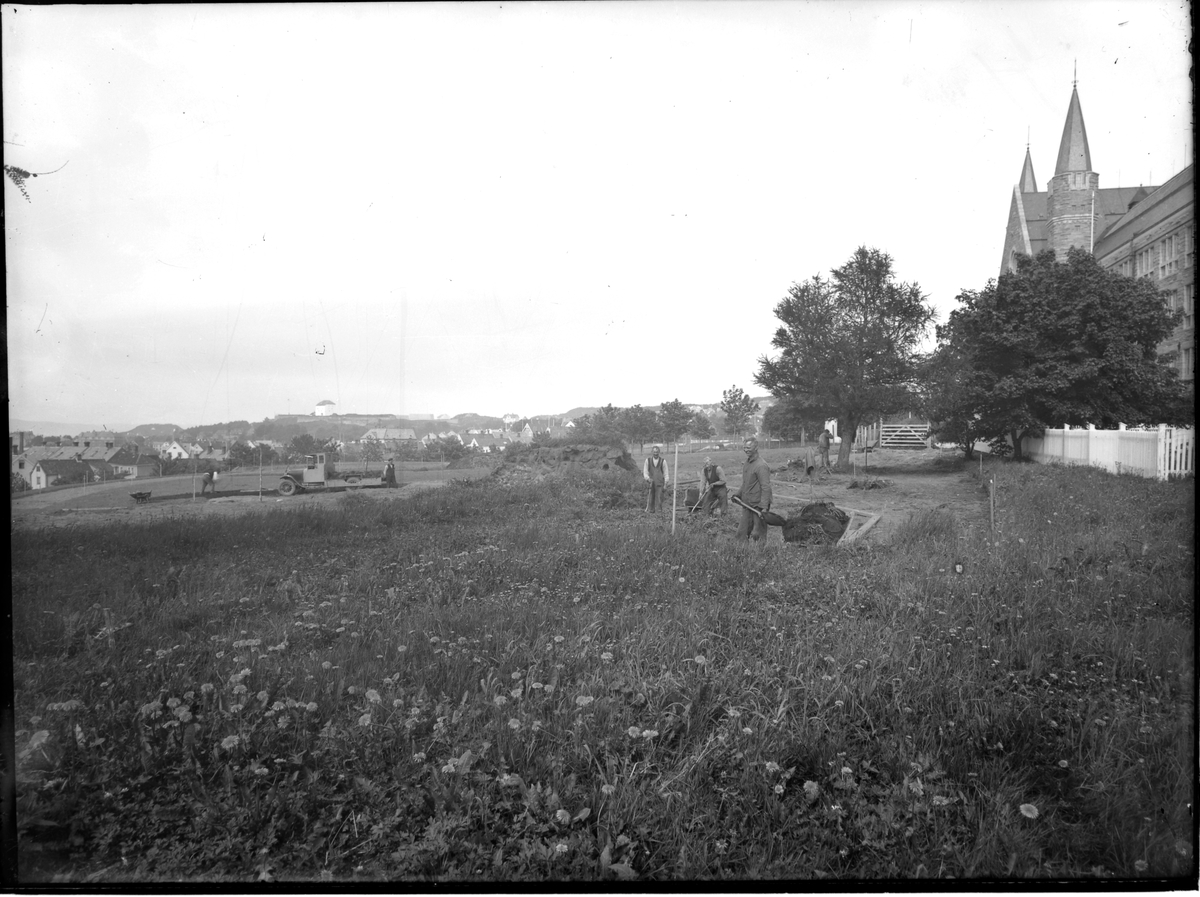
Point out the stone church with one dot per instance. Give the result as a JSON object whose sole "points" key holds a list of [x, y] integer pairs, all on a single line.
{"points": [[1143, 231]]}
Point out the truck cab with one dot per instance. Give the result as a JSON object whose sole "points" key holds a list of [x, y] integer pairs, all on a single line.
{"points": [[318, 470]]}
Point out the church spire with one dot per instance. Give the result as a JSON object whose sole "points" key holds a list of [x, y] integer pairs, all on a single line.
{"points": [[1027, 183], [1073, 152]]}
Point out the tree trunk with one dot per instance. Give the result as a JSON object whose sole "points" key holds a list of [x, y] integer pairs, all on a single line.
{"points": [[1016, 441], [848, 427]]}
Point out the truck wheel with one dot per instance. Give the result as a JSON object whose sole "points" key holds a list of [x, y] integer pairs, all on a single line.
{"points": [[353, 481], [287, 487]]}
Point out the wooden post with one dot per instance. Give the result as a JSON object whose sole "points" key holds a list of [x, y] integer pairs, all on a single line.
{"points": [[675, 487], [992, 500], [260, 498]]}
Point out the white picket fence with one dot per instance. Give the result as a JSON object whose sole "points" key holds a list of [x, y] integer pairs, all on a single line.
{"points": [[1160, 453]]}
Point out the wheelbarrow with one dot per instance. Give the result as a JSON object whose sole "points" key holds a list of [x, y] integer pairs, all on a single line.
{"points": [[140, 498]]}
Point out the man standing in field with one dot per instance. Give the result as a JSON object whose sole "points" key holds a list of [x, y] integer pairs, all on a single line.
{"points": [[712, 480], [823, 443], [656, 474], [755, 492], [389, 474]]}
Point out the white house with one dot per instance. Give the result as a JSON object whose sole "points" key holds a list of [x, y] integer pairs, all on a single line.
{"points": [[325, 408]]}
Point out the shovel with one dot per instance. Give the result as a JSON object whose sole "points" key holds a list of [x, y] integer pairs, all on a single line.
{"points": [[770, 518], [700, 499]]}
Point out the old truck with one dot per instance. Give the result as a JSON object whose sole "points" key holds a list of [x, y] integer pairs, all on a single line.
{"points": [[319, 472]]}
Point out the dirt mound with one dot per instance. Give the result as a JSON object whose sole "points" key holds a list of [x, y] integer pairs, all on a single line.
{"points": [[570, 457], [816, 523]]}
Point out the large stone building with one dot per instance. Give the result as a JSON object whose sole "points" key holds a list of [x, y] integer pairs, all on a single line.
{"points": [[1139, 231]]}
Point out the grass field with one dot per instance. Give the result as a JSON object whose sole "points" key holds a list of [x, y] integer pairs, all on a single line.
{"points": [[539, 682]]}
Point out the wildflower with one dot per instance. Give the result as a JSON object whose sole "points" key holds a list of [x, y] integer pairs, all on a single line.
{"points": [[772, 766], [746, 730], [722, 845], [419, 757], [584, 700], [261, 771], [633, 731], [448, 768], [558, 639], [326, 665], [516, 693], [606, 657], [398, 703], [311, 707], [811, 791], [1141, 865], [499, 700], [563, 817], [610, 790], [846, 770], [1063, 763], [184, 715], [230, 742], [206, 688], [514, 724], [172, 703], [940, 800], [236, 708], [839, 703], [1029, 811], [508, 780], [560, 848], [239, 689], [365, 719], [779, 789], [373, 696], [537, 686], [649, 733], [352, 689]]}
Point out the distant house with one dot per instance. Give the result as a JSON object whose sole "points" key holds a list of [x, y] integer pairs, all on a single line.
{"points": [[391, 437], [526, 434], [133, 463], [325, 408], [216, 455], [172, 450], [47, 472], [483, 442]]}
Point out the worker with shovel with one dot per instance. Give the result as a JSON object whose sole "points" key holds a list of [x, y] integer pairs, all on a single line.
{"points": [[755, 494], [715, 492]]}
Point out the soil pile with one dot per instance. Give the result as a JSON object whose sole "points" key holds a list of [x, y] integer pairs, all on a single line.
{"points": [[570, 457], [821, 522]]}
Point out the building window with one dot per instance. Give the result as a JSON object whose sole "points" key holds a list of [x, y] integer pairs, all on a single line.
{"points": [[20, 465], [1144, 264], [1187, 363], [1167, 262], [1189, 306], [1189, 250]]}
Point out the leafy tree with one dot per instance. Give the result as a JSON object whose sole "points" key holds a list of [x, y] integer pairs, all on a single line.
{"points": [[737, 407], [302, 444], [519, 425], [674, 418], [700, 427], [789, 420], [373, 449], [848, 345], [1055, 343], [637, 424]]}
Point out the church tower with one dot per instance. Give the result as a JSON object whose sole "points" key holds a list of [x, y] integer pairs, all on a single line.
{"points": [[1072, 217]]}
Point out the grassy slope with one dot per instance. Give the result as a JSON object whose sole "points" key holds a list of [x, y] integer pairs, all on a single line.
{"points": [[518, 683]]}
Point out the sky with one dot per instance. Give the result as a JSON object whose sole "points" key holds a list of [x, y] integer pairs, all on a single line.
{"points": [[518, 207]]}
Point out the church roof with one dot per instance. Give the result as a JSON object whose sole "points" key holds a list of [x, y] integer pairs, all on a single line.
{"points": [[1073, 152], [1028, 182]]}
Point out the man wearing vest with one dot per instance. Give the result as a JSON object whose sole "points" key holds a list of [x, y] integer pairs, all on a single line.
{"points": [[712, 480], [755, 491], [655, 472]]}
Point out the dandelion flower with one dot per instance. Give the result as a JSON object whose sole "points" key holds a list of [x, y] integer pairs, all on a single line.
{"points": [[779, 789], [514, 724], [516, 693], [701, 660], [606, 657], [649, 733], [261, 771], [373, 696], [1029, 811], [326, 665], [563, 817], [560, 848], [558, 639], [419, 757], [206, 688], [633, 731], [811, 791], [1141, 865], [231, 741], [610, 790], [311, 707], [772, 766], [262, 697], [584, 700], [1063, 763], [746, 730], [499, 700]]}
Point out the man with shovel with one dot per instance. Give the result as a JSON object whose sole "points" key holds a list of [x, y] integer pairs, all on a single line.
{"points": [[715, 493], [755, 494]]}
